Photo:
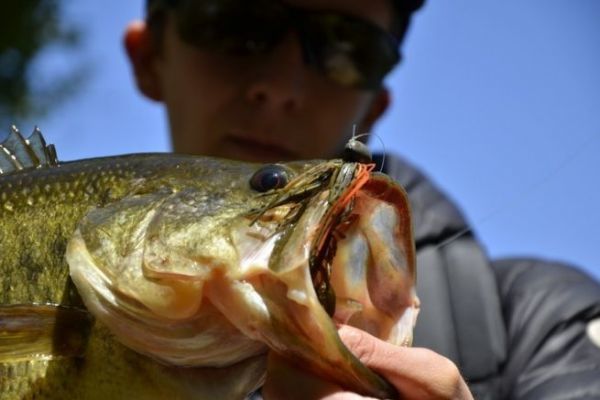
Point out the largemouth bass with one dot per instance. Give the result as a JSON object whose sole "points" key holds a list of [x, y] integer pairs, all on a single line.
{"points": [[169, 276]]}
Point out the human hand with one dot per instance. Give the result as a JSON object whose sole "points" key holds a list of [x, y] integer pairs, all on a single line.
{"points": [[417, 373]]}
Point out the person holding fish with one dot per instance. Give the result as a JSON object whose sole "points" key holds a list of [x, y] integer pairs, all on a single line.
{"points": [[274, 81]]}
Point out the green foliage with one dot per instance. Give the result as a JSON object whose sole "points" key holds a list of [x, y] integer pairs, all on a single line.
{"points": [[28, 29]]}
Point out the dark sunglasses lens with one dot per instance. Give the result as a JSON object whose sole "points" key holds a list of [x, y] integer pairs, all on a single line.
{"points": [[347, 50], [350, 51], [232, 26]]}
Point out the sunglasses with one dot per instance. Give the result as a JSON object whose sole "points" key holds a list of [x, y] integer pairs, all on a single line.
{"points": [[347, 50]]}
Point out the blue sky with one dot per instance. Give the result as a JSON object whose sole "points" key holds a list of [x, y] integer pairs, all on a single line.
{"points": [[498, 101]]}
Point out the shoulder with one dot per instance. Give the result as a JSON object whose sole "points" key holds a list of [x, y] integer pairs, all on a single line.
{"points": [[540, 298], [554, 284], [549, 309]]}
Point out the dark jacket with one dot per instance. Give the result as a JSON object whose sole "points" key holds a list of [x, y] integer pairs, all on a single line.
{"points": [[515, 327]]}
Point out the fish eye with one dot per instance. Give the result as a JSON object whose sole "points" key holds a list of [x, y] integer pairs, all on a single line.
{"points": [[356, 151], [269, 177]]}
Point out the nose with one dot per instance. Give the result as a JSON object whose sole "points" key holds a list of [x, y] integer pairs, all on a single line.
{"points": [[280, 76]]}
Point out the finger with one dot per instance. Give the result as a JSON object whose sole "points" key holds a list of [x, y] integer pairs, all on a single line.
{"points": [[415, 372]]}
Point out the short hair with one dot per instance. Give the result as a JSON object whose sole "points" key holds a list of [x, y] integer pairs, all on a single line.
{"points": [[403, 12]]}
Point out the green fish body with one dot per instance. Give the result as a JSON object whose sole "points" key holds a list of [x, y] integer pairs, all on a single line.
{"points": [[169, 276]]}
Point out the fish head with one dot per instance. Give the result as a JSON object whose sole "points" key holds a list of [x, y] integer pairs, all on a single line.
{"points": [[244, 258]]}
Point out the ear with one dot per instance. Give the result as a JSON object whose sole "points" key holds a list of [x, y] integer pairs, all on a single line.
{"points": [[379, 104], [142, 53]]}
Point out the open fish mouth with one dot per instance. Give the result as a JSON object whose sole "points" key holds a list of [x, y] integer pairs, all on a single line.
{"points": [[331, 212], [361, 263], [362, 258], [374, 269], [196, 279]]}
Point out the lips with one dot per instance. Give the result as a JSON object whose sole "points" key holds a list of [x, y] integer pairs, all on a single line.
{"points": [[251, 148]]}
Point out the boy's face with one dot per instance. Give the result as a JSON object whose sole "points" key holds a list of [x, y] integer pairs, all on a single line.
{"points": [[272, 107]]}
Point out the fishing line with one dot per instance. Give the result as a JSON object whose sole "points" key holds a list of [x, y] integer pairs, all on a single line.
{"points": [[355, 137], [520, 197]]}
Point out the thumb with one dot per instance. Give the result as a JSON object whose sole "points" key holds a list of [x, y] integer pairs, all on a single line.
{"points": [[415, 372], [367, 348]]}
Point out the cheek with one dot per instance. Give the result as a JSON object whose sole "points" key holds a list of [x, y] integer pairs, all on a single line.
{"points": [[193, 76], [195, 91], [187, 113], [336, 118], [191, 81]]}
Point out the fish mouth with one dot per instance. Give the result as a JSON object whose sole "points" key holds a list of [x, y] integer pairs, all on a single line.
{"points": [[347, 289], [375, 195], [323, 252], [355, 203], [373, 273]]}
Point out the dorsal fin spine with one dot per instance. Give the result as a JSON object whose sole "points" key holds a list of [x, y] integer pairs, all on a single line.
{"points": [[8, 162], [18, 153], [51, 154], [30, 154]]}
